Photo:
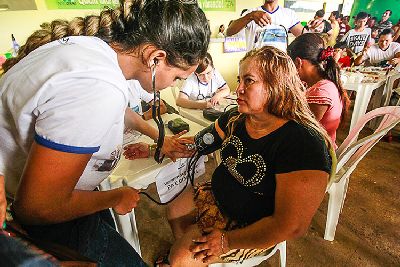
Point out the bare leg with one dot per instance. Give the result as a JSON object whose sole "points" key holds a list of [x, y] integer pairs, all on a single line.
{"points": [[181, 213], [180, 256]]}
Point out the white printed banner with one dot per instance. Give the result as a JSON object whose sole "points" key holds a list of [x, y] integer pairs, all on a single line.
{"points": [[172, 178]]}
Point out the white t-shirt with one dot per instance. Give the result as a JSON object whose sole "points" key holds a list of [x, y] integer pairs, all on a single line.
{"points": [[197, 90], [275, 34], [376, 55], [357, 40], [69, 95], [136, 95]]}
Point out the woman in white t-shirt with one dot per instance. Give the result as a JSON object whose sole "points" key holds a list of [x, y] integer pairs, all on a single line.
{"points": [[204, 88], [63, 111]]}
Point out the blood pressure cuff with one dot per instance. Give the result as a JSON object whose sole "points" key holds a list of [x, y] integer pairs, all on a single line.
{"points": [[207, 140]]}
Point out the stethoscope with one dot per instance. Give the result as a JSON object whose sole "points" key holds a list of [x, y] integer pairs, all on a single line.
{"points": [[201, 96], [156, 114]]}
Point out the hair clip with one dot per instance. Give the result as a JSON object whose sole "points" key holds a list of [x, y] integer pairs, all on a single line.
{"points": [[325, 53]]}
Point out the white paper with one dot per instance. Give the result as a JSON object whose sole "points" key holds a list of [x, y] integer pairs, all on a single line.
{"points": [[172, 178]]}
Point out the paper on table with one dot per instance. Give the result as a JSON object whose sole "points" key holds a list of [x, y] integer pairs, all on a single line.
{"points": [[172, 178]]}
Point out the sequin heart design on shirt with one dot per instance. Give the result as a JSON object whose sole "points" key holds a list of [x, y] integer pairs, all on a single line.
{"points": [[232, 163]]}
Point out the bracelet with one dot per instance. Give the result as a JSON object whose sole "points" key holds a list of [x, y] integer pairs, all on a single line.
{"points": [[222, 241]]}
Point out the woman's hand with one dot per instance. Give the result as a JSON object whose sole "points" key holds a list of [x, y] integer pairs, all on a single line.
{"points": [[136, 151], [215, 100], [175, 147], [210, 246], [129, 197]]}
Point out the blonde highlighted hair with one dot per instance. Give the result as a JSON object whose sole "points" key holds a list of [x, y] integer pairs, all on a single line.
{"points": [[285, 91], [178, 27]]}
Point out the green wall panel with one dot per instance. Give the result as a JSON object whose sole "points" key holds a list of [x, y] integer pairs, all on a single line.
{"points": [[376, 8]]}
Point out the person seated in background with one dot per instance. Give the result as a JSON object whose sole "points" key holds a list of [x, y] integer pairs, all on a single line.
{"points": [[385, 23], [385, 52], [318, 69], [374, 36], [139, 95], [204, 88], [333, 19], [340, 55], [273, 175], [344, 27], [135, 118], [371, 22], [319, 24], [357, 38]]}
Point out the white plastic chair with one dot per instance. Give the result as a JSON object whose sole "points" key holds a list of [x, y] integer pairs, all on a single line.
{"points": [[255, 261], [349, 154]]}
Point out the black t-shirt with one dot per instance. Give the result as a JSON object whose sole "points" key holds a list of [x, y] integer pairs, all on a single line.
{"points": [[244, 183]]}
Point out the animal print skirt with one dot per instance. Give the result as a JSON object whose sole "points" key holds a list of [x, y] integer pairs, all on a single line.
{"points": [[208, 215]]}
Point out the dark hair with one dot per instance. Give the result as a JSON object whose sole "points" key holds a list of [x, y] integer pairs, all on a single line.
{"points": [[374, 18], [361, 15], [335, 14], [220, 26], [244, 10], [309, 46], [320, 13], [204, 63], [390, 11], [180, 29], [341, 45], [386, 32]]}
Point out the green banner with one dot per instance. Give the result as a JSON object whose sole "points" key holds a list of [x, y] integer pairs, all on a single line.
{"points": [[217, 5], [81, 4]]}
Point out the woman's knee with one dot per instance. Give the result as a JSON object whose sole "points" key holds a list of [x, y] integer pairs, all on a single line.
{"points": [[182, 257]]}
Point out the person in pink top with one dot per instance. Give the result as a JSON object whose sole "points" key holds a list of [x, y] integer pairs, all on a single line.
{"points": [[318, 69]]}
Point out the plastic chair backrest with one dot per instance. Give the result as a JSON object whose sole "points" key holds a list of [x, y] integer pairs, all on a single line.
{"points": [[351, 151], [390, 113]]}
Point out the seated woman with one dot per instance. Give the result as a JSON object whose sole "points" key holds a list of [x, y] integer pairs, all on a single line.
{"points": [[204, 88], [274, 171], [318, 69]]}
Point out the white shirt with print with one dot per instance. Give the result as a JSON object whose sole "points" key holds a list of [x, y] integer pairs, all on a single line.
{"points": [[357, 40], [196, 90], [280, 17], [69, 95]]}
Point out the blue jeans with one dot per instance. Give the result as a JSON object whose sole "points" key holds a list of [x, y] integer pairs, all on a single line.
{"points": [[13, 252], [93, 236]]}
